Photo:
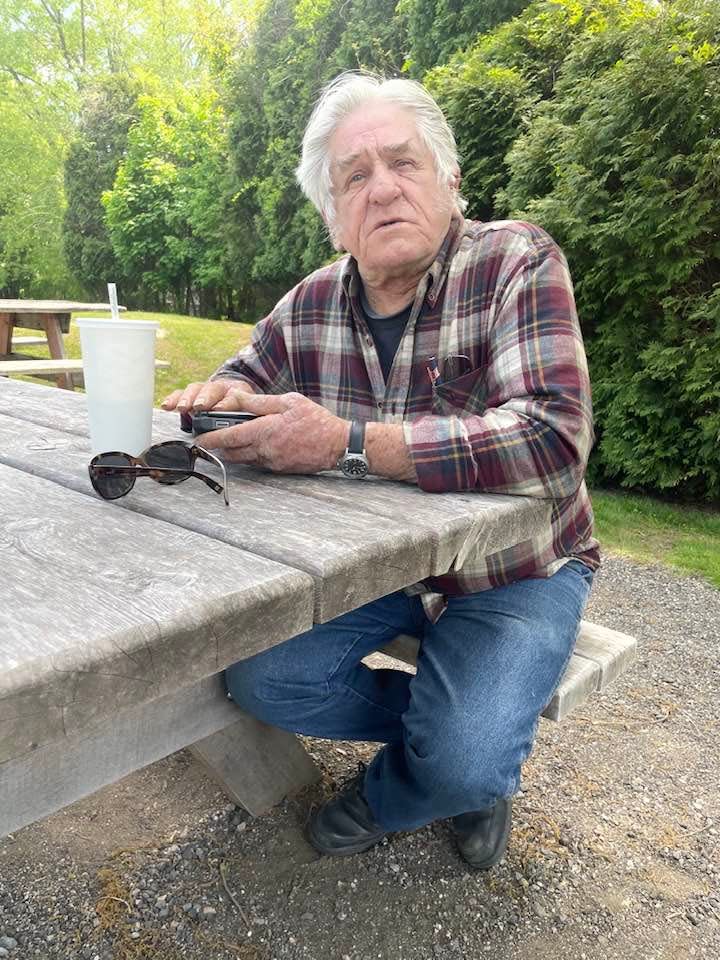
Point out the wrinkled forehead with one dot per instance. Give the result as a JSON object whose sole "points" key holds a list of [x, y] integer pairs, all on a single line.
{"points": [[374, 129]]}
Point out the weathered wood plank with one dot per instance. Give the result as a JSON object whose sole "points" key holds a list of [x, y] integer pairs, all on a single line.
{"points": [[28, 342], [612, 651], [9, 368], [447, 525], [52, 306], [62, 410], [354, 557], [256, 764], [268, 764], [110, 608], [578, 682], [6, 329], [459, 522]]}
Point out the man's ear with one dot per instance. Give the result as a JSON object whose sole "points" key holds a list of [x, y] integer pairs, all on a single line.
{"points": [[332, 234], [455, 180]]}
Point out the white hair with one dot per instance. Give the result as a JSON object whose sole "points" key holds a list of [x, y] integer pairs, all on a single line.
{"points": [[339, 99]]}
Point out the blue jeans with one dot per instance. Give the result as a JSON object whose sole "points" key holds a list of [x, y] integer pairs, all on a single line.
{"points": [[457, 733]]}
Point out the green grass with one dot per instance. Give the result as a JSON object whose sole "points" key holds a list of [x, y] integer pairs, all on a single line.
{"points": [[638, 527], [194, 347], [650, 531]]}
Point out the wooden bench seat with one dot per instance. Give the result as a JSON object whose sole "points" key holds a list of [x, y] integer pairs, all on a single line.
{"points": [[600, 656], [31, 368], [28, 342]]}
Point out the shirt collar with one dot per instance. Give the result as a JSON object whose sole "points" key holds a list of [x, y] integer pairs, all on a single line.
{"points": [[435, 275]]}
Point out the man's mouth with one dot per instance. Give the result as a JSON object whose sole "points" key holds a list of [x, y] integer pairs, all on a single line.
{"points": [[388, 223]]}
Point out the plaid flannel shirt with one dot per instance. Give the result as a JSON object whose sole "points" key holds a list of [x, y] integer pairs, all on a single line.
{"points": [[512, 412]]}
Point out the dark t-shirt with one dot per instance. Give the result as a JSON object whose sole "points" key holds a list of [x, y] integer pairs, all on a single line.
{"points": [[386, 332]]}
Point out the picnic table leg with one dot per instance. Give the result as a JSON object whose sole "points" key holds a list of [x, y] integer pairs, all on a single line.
{"points": [[233, 745], [256, 764], [6, 329], [53, 331]]}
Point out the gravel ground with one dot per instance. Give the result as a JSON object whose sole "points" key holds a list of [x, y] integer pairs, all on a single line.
{"points": [[614, 851]]}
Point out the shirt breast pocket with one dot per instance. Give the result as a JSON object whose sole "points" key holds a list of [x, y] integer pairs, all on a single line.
{"points": [[463, 395]]}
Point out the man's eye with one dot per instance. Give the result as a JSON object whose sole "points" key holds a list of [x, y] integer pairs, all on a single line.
{"points": [[403, 163], [356, 178]]}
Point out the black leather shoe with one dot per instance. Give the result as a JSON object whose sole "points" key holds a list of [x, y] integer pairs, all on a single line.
{"points": [[482, 835], [345, 824]]}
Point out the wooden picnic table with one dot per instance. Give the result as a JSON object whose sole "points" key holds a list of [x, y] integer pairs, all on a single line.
{"points": [[119, 616], [52, 316]]}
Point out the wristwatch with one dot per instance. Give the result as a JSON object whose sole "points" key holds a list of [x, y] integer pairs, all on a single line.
{"points": [[354, 462]]}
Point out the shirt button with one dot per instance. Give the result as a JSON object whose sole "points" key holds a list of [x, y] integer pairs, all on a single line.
{"points": [[368, 339], [380, 404]]}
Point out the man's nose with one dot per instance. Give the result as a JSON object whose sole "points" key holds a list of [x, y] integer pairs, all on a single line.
{"points": [[385, 186]]}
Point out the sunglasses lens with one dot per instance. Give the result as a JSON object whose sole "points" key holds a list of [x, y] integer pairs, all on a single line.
{"points": [[175, 456], [109, 485]]}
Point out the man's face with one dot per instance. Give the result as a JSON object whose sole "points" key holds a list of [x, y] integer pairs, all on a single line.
{"points": [[391, 213]]}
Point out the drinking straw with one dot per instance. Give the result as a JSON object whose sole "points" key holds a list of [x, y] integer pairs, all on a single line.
{"points": [[112, 294]]}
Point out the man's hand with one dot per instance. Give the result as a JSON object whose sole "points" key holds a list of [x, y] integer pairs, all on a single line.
{"points": [[220, 394], [291, 435]]}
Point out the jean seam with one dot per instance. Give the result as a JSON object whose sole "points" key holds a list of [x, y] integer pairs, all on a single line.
{"points": [[371, 703], [341, 659]]}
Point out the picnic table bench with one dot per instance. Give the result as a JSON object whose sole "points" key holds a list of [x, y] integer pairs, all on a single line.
{"points": [[51, 316], [33, 367], [119, 617]]}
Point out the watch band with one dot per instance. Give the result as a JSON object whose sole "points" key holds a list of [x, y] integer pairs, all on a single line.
{"points": [[356, 441]]}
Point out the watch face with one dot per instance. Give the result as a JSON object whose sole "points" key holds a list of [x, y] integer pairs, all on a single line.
{"points": [[355, 467]]}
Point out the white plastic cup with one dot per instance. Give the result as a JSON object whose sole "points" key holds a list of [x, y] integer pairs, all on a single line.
{"points": [[119, 370]]}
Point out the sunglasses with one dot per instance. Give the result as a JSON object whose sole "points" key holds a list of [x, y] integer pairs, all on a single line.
{"points": [[114, 474]]}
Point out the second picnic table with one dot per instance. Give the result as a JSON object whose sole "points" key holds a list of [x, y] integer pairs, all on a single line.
{"points": [[51, 316]]}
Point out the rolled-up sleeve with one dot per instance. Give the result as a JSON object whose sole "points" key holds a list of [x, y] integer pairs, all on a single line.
{"points": [[535, 435], [264, 361]]}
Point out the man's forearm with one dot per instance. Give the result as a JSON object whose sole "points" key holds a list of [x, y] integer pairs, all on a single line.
{"points": [[387, 452]]}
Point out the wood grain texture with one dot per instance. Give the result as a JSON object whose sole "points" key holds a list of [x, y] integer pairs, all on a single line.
{"points": [[104, 608], [440, 528], [52, 776], [579, 681], [353, 556], [65, 411]]}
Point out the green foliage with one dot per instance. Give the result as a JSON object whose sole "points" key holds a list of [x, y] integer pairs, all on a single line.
{"points": [[90, 168], [598, 119], [622, 166], [439, 28], [491, 91], [485, 105], [167, 209]]}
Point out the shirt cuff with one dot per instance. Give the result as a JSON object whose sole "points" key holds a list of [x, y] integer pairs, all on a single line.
{"points": [[441, 453]]}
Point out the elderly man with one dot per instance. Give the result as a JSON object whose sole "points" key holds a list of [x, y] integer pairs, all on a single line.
{"points": [[446, 353]]}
